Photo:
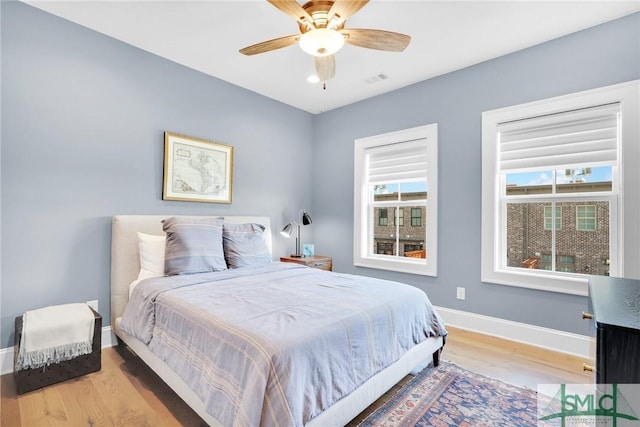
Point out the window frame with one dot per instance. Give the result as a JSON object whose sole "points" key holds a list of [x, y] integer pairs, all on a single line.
{"points": [[624, 229], [362, 253], [398, 218]]}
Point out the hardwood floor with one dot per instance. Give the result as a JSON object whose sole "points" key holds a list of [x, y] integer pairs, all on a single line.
{"points": [[127, 393]]}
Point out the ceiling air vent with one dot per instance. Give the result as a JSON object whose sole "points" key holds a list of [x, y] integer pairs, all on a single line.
{"points": [[377, 78]]}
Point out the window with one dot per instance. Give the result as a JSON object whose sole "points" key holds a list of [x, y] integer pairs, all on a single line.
{"points": [[586, 217], [382, 217], [549, 218], [565, 263], [399, 216], [384, 248], [416, 217], [416, 251], [397, 172], [552, 170]]}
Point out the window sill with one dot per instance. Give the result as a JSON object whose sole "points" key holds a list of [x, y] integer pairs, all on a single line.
{"points": [[400, 265], [571, 284]]}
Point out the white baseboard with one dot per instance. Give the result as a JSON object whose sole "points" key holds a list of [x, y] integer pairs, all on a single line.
{"points": [[551, 339], [6, 360], [6, 354]]}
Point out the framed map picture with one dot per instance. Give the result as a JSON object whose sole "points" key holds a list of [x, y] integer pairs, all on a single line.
{"points": [[196, 170]]}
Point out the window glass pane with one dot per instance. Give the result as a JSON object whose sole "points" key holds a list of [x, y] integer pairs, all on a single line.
{"points": [[527, 240], [548, 217], [408, 191], [404, 240], [413, 190], [584, 180], [529, 244], [566, 259], [412, 237], [529, 183], [414, 250], [384, 192], [416, 217], [382, 217], [384, 248], [384, 233], [586, 218]]}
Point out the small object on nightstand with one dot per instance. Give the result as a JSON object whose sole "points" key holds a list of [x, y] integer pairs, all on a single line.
{"points": [[307, 249], [317, 261]]}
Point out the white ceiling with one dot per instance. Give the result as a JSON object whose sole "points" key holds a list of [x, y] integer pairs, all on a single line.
{"points": [[446, 36]]}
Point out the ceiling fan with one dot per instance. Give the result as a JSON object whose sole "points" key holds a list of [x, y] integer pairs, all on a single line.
{"points": [[322, 32]]}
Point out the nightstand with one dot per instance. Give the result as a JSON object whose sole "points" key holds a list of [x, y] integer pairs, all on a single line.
{"points": [[318, 261]]}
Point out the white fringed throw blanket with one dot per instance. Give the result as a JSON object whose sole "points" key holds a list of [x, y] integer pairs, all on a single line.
{"points": [[55, 334]]}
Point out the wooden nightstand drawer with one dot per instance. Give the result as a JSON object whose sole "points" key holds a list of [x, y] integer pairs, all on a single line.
{"points": [[319, 262]]}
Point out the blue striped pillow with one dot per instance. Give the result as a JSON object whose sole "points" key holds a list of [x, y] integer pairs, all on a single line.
{"points": [[244, 245], [194, 245]]}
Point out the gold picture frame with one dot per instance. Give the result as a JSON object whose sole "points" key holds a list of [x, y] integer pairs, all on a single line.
{"points": [[196, 170]]}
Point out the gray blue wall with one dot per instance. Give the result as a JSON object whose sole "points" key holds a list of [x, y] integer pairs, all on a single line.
{"points": [[82, 140], [83, 117], [596, 57]]}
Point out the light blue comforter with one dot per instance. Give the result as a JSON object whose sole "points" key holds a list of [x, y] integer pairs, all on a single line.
{"points": [[275, 345]]}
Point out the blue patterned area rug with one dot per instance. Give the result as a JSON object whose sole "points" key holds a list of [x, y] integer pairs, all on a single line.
{"points": [[451, 396]]}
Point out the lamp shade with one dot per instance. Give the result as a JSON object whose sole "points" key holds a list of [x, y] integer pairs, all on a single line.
{"points": [[286, 231], [321, 42], [306, 219]]}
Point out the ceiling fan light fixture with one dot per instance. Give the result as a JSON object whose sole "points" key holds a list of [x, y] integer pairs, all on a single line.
{"points": [[313, 78], [321, 42]]}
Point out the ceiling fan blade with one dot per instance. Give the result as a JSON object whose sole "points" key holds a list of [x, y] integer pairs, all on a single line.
{"points": [[326, 67], [294, 10], [344, 9], [376, 39], [270, 45]]}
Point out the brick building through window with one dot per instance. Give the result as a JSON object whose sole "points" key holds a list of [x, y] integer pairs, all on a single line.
{"points": [[581, 234], [410, 235]]}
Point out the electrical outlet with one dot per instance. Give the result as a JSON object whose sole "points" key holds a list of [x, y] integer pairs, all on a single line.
{"points": [[460, 293], [93, 304]]}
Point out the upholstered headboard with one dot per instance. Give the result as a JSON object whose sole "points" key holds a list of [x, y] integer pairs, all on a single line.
{"points": [[125, 260]]}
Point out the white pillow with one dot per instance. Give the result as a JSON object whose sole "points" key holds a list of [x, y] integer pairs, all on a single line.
{"points": [[151, 248]]}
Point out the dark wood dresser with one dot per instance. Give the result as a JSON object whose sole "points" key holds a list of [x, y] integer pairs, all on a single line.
{"points": [[615, 306]]}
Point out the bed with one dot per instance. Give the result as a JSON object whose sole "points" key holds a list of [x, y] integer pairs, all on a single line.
{"points": [[333, 404]]}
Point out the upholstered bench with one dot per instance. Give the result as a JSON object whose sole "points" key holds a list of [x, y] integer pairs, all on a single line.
{"points": [[34, 378]]}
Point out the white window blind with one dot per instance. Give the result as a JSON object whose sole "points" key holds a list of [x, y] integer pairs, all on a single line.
{"points": [[587, 136], [400, 162]]}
